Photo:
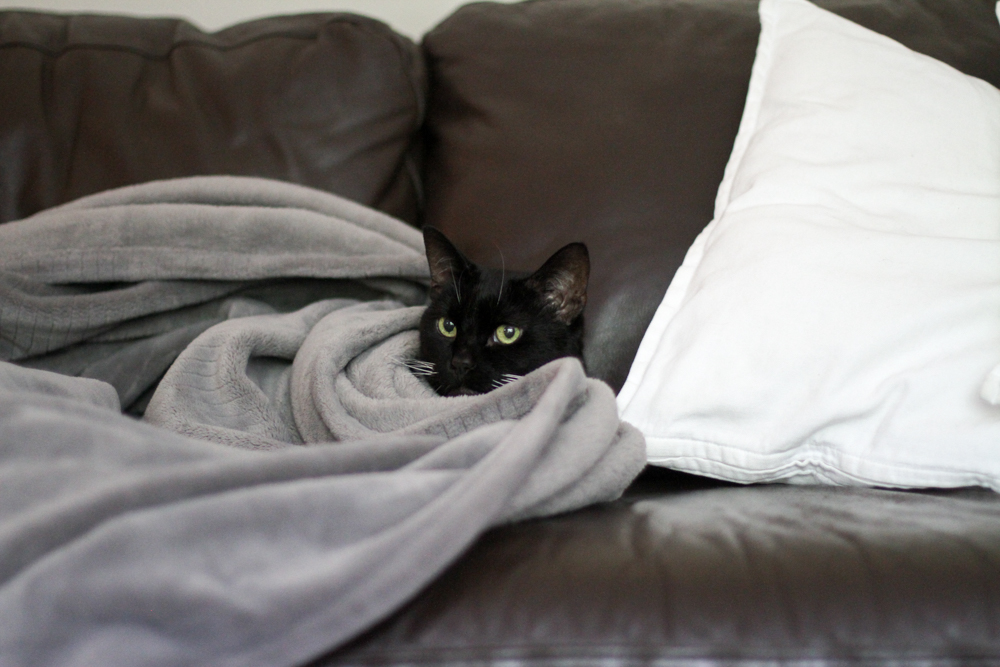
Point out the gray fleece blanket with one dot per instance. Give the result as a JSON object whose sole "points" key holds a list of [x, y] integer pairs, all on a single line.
{"points": [[291, 482]]}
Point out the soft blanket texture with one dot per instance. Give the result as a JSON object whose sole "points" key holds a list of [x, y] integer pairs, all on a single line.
{"points": [[288, 316], [115, 285]]}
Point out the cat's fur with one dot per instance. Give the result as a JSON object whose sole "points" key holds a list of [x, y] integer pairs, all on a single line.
{"points": [[471, 302]]}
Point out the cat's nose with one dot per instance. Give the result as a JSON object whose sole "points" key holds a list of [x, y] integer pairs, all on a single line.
{"points": [[461, 361]]}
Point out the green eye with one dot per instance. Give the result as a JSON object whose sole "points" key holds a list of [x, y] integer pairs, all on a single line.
{"points": [[447, 328], [506, 334]]}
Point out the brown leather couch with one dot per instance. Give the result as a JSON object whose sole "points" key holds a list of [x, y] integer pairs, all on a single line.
{"points": [[516, 129]]}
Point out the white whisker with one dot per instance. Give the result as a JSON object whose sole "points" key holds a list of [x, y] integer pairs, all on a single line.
{"points": [[419, 368], [503, 272], [505, 379]]}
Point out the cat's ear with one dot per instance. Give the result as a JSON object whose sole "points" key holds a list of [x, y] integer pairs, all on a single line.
{"points": [[562, 281], [445, 262]]}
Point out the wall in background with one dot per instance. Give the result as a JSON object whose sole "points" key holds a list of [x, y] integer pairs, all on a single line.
{"points": [[410, 17]]}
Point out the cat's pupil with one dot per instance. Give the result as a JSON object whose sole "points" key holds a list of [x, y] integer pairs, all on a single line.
{"points": [[506, 334], [447, 327]]}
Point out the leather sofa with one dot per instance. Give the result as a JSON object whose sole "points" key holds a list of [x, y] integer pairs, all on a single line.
{"points": [[516, 129]]}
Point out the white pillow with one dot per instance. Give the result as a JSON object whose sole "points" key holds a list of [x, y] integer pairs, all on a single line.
{"points": [[837, 320]]}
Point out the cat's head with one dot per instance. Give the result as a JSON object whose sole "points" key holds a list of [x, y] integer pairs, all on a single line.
{"points": [[484, 327]]}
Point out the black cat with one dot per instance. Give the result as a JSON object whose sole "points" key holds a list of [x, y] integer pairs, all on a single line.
{"points": [[484, 327]]}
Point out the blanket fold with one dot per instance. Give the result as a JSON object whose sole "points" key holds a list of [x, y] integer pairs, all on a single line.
{"points": [[293, 482], [99, 276]]}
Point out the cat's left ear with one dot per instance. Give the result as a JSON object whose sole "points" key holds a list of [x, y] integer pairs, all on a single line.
{"points": [[562, 281], [445, 262]]}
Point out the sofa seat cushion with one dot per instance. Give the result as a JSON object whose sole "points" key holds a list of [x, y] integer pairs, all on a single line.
{"points": [[685, 570], [95, 102]]}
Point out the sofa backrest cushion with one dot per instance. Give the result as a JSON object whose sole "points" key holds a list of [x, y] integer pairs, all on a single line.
{"points": [[94, 102], [611, 123]]}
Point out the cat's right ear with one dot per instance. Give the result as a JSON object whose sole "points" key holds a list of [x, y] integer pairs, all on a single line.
{"points": [[444, 260]]}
